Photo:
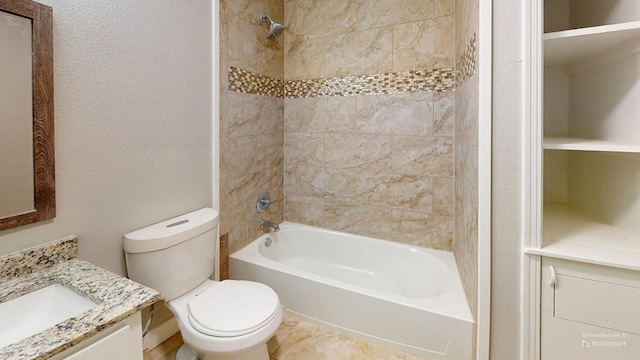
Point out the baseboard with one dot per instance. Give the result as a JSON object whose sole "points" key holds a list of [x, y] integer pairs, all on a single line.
{"points": [[160, 333]]}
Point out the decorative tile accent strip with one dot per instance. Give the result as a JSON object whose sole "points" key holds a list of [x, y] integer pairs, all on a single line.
{"points": [[251, 83], [37, 258], [466, 66], [436, 80]]}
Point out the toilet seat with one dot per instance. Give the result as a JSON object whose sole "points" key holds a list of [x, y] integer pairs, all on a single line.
{"points": [[233, 308]]}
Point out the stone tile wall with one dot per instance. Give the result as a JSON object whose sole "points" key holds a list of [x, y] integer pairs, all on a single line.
{"points": [[251, 124], [465, 245], [327, 38], [348, 119], [377, 163]]}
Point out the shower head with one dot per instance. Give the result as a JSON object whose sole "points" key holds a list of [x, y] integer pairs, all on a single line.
{"points": [[275, 29]]}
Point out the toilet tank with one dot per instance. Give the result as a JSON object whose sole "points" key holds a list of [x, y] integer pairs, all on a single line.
{"points": [[174, 256]]}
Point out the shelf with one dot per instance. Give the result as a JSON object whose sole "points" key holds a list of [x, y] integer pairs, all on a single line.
{"points": [[579, 45], [568, 143], [573, 235]]}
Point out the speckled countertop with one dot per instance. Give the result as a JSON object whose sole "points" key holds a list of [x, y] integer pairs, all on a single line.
{"points": [[32, 269]]}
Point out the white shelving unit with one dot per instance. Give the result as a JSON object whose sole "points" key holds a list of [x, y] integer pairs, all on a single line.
{"points": [[572, 234], [584, 270], [591, 133], [576, 144], [577, 45]]}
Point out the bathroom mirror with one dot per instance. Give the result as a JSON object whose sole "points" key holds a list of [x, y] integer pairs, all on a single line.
{"points": [[27, 179]]}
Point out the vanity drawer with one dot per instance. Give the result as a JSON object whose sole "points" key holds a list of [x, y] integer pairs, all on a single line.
{"points": [[598, 303], [123, 340], [113, 346]]}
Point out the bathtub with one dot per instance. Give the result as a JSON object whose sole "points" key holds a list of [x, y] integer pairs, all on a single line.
{"points": [[401, 296]]}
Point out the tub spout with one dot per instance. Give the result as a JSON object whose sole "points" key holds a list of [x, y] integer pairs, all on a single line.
{"points": [[264, 224]]}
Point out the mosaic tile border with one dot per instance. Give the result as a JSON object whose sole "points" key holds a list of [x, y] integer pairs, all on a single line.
{"points": [[436, 80], [467, 62], [248, 82]]}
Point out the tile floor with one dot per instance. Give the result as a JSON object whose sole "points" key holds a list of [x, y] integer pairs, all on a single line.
{"points": [[300, 340]]}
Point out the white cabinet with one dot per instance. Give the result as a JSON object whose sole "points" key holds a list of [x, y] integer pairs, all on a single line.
{"points": [[589, 312], [120, 341], [587, 131], [591, 127]]}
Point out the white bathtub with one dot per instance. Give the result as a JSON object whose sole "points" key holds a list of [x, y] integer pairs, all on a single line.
{"points": [[405, 297]]}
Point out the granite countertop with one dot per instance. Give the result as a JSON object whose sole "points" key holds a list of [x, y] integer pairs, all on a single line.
{"points": [[32, 269]]}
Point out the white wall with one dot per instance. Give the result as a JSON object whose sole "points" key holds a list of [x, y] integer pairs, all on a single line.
{"points": [[598, 12], [507, 176], [556, 123], [133, 104]]}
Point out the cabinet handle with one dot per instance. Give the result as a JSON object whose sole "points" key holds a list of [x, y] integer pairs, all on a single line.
{"points": [[553, 278]]}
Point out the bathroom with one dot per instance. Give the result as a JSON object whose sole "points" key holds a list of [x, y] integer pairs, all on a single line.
{"points": [[297, 120], [143, 134]]}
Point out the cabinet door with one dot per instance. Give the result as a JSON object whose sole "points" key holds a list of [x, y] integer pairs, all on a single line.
{"points": [[114, 346], [587, 316], [120, 341]]}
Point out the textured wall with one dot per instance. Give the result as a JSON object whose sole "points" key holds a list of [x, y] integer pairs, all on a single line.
{"points": [[506, 218], [374, 164], [251, 125], [133, 122]]}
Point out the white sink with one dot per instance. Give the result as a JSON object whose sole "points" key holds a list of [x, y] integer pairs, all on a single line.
{"points": [[36, 311]]}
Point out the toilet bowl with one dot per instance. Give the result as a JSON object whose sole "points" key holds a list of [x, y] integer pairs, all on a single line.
{"points": [[218, 320], [215, 318]]}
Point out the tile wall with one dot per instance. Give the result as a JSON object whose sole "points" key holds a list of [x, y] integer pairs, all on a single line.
{"points": [[465, 245], [251, 124], [370, 156], [348, 120]]}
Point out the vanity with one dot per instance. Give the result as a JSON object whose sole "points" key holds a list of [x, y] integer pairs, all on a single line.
{"points": [[109, 328]]}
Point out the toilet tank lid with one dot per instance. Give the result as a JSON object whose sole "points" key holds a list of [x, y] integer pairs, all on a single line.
{"points": [[170, 232]]}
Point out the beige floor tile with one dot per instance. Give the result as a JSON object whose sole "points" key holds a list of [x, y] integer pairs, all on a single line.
{"points": [[165, 351], [399, 355], [300, 340], [285, 329], [313, 342]]}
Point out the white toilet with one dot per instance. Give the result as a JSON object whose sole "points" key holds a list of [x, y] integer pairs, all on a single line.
{"points": [[228, 320]]}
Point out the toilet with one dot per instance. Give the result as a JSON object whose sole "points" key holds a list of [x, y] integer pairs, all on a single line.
{"points": [[218, 320]]}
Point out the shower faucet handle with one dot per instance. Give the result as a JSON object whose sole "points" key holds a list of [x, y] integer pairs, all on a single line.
{"points": [[263, 202]]}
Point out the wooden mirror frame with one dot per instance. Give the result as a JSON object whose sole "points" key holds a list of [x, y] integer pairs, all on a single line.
{"points": [[43, 149]]}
